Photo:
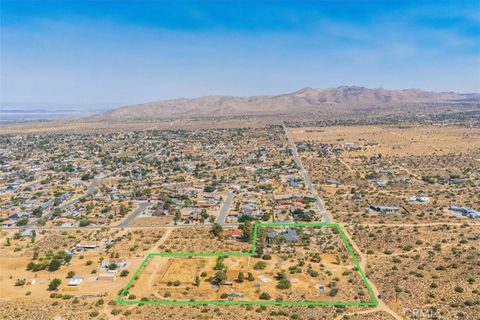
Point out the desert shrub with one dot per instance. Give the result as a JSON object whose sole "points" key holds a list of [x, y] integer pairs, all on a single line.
{"points": [[260, 265], [265, 296]]}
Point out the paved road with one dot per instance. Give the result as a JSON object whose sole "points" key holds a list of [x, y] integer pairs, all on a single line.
{"points": [[326, 218], [152, 226], [141, 207], [306, 178], [224, 210]]}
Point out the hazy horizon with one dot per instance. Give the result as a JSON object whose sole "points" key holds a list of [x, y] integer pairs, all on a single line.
{"points": [[95, 56]]}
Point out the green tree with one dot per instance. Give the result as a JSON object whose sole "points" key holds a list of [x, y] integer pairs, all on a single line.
{"points": [[241, 277], [54, 265], [247, 230], [266, 216], [123, 210], [177, 216], [217, 229], [204, 214], [284, 284], [220, 276], [22, 222], [54, 284], [37, 212], [261, 241]]}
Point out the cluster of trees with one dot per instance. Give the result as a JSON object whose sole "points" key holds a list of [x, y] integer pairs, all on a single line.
{"points": [[51, 265], [247, 231], [142, 192], [283, 282], [302, 215], [241, 277], [221, 271], [21, 222]]}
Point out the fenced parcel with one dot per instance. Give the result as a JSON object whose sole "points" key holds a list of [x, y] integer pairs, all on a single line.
{"points": [[313, 279]]}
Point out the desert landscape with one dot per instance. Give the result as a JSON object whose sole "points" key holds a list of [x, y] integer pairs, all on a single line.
{"points": [[240, 160]]}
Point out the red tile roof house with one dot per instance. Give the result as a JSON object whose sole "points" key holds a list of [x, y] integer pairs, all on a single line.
{"points": [[203, 204], [234, 233]]}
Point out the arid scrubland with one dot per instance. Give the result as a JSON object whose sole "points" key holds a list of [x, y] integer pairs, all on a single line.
{"points": [[120, 196]]}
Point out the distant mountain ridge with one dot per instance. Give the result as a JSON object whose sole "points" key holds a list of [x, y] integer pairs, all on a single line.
{"points": [[343, 98]]}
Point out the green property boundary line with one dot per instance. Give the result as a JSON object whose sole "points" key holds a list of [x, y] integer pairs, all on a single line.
{"points": [[372, 303]]}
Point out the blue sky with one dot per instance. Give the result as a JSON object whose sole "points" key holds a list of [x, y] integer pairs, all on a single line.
{"points": [[102, 54]]}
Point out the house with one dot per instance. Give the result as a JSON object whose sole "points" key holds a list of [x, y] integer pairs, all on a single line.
{"points": [[382, 209], [381, 183], [282, 199], [292, 182], [74, 281], [8, 223], [86, 246], [14, 216], [235, 295], [290, 235], [69, 253], [28, 233], [22, 215], [287, 199], [120, 263], [420, 199], [234, 233], [332, 182], [203, 204], [357, 197], [248, 209], [464, 211], [69, 225], [47, 204], [65, 222]]}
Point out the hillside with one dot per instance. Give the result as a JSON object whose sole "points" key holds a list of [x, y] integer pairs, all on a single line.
{"points": [[341, 99]]}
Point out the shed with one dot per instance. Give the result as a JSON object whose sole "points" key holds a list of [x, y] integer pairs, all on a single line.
{"points": [[74, 281]]}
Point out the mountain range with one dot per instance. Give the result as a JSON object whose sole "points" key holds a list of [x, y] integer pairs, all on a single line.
{"points": [[306, 100]]}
